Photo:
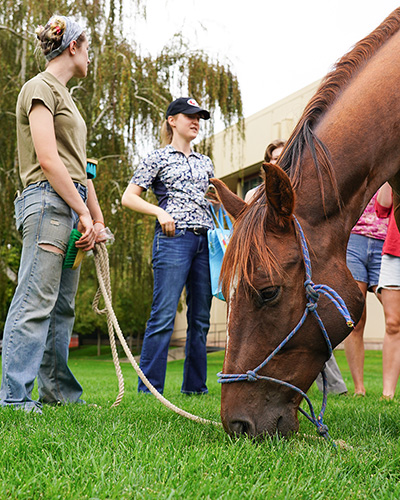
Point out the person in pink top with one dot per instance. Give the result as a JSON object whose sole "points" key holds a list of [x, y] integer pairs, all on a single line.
{"points": [[364, 255], [389, 290]]}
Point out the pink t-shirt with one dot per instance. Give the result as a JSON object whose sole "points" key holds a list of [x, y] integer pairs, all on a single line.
{"points": [[369, 224]]}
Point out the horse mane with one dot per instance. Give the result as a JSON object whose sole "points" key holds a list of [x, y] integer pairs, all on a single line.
{"points": [[303, 137], [249, 249], [249, 246]]}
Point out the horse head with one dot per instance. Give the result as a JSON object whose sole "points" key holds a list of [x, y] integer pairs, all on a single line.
{"points": [[344, 147], [263, 281]]}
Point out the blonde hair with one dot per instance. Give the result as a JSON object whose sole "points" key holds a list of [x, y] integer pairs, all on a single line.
{"points": [[166, 134], [50, 36]]}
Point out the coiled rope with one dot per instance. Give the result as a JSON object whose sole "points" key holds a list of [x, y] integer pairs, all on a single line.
{"points": [[103, 275]]}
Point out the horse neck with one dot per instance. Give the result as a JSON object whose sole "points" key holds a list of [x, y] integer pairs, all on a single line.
{"points": [[360, 130]]}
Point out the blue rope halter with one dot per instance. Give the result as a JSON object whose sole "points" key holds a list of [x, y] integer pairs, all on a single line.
{"points": [[312, 293]]}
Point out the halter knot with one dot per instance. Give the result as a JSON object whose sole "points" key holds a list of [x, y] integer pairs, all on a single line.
{"points": [[311, 292], [251, 376], [323, 430], [311, 306]]}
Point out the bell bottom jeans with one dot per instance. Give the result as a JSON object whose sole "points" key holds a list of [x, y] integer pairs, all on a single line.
{"points": [[41, 315], [178, 262]]}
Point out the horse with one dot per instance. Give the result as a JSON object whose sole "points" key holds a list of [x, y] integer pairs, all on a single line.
{"points": [[344, 147]]}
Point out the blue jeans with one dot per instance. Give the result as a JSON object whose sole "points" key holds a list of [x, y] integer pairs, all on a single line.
{"points": [[41, 315], [177, 262]]}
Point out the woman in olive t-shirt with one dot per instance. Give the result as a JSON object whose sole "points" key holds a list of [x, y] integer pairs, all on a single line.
{"points": [[56, 198]]}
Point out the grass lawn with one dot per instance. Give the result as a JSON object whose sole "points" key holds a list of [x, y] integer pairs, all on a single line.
{"points": [[141, 450]]}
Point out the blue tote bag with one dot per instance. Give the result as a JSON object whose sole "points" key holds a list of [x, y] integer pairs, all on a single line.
{"points": [[218, 239]]}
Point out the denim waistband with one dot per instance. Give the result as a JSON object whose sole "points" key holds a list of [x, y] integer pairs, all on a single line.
{"points": [[45, 185]]}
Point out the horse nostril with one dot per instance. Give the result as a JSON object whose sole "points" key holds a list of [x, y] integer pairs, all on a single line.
{"points": [[285, 426], [238, 427]]}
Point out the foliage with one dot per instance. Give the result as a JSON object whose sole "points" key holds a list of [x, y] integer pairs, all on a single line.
{"points": [[143, 450], [122, 100], [9, 263]]}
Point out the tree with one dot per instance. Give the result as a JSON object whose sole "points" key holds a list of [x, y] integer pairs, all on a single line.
{"points": [[123, 100]]}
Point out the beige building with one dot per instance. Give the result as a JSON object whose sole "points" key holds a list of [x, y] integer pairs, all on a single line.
{"points": [[237, 162]]}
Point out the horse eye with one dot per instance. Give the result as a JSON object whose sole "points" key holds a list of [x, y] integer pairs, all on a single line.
{"points": [[269, 294]]}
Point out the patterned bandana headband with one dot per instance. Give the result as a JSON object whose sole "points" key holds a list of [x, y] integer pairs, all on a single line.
{"points": [[72, 32]]}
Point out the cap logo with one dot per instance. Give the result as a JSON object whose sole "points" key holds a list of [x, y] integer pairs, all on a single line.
{"points": [[192, 102]]}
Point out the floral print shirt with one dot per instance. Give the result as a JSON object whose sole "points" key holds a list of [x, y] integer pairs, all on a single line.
{"points": [[369, 224], [179, 183]]}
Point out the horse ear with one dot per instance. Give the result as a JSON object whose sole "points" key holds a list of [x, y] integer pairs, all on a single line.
{"points": [[278, 190], [232, 203]]}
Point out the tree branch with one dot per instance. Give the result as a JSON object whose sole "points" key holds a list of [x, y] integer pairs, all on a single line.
{"points": [[7, 28], [100, 116], [110, 156], [11, 275], [76, 87]]}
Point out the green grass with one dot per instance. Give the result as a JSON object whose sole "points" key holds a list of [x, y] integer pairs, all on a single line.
{"points": [[141, 450]]}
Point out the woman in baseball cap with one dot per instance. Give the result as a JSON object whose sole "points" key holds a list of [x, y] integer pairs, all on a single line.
{"points": [[188, 106], [179, 177]]}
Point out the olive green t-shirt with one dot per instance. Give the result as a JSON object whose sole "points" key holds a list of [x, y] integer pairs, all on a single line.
{"points": [[69, 126]]}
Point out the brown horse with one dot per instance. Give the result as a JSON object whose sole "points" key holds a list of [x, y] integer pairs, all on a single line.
{"points": [[345, 146]]}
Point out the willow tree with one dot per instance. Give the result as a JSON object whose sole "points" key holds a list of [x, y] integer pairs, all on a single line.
{"points": [[123, 100]]}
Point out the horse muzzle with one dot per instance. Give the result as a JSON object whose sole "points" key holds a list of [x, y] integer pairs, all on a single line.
{"points": [[282, 421]]}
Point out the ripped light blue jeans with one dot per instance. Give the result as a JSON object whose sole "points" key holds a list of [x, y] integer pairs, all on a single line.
{"points": [[41, 315]]}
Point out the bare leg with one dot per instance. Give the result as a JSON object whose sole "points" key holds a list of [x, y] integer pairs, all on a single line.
{"points": [[354, 348], [391, 341]]}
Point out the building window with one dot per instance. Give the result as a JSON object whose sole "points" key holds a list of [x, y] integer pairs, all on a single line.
{"points": [[250, 183]]}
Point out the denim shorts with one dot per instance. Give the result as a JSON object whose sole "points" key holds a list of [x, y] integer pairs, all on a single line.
{"points": [[364, 256], [390, 273]]}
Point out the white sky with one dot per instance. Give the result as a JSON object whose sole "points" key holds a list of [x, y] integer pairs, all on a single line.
{"points": [[274, 47]]}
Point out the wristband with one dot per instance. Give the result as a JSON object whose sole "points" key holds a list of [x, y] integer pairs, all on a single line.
{"points": [[98, 222]]}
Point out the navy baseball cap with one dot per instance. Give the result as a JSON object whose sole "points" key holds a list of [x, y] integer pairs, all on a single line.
{"points": [[187, 106]]}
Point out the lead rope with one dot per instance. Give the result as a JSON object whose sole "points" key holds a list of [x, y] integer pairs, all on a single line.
{"points": [[103, 276]]}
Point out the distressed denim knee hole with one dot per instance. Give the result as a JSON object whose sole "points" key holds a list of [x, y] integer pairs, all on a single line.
{"points": [[51, 248]]}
